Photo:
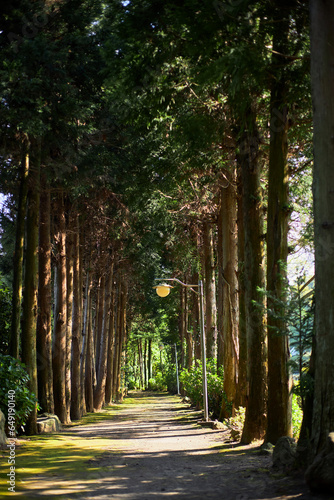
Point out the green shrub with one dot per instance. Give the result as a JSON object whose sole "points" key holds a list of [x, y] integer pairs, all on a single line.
{"points": [[13, 377], [157, 383], [193, 385]]}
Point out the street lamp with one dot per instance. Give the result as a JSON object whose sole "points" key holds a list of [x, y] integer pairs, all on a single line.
{"points": [[163, 290]]}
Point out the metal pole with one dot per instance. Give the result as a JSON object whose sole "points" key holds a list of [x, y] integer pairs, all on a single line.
{"points": [[177, 371], [205, 384]]}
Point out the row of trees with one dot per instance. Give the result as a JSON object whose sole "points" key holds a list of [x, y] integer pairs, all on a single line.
{"points": [[148, 140]]}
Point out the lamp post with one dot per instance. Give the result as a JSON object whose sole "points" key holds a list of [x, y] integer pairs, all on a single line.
{"points": [[163, 289]]}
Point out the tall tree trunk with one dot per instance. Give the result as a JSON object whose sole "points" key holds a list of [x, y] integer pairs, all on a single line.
{"points": [[100, 304], [243, 347], [122, 335], [84, 343], [99, 393], [90, 368], [182, 321], [60, 317], [140, 362], [30, 303], [44, 329], [149, 359], [220, 308], [69, 312], [279, 378], [322, 62], [111, 340], [210, 291], [195, 320], [76, 394], [230, 286], [118, 343], [144, 363], [14, 345], [255, 421]]}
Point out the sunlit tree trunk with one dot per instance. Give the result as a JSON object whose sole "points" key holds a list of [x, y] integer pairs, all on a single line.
{"points": [[210, 291], [230, 286], [30, 302], [69, 312], [76, 393], [60, 319], [279, 379], [44, 329], [195, 321]]}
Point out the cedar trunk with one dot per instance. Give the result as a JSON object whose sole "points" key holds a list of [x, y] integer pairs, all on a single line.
{"points": [[59, 345], [322, 63], [230, 286], [99, 393], [279, 379], [111, 340], [243, 347], [30, 305], [44, 332], [76, 393], [14, 345], [210, 291], [255, 421]]}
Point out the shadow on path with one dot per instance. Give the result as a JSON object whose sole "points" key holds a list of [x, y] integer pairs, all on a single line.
{"points": [[154, 450]]}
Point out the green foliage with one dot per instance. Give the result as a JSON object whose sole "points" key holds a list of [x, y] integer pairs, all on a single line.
{"points": [[238, 419], [297, 416], [295, 310], [5, 316], [157, 383], [192, 381], [13, 376]]}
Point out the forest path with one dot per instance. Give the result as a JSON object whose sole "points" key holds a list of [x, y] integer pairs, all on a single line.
{"points": [[153, 448]]}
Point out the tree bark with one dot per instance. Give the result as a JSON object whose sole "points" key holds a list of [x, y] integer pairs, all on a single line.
{"points": [[14, 345], [30, 302], [210, 291], [220, 308], [243, 346], [255, 421], [69, 312], [89, 366], [76, 393], [100, 303], [322, 62], [60, 317], [230, 287], [111, 340], [99, 393], [279, 378], [44, 329]]}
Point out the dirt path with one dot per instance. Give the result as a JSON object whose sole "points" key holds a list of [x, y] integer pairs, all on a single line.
{"points": [[155, 449]]}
